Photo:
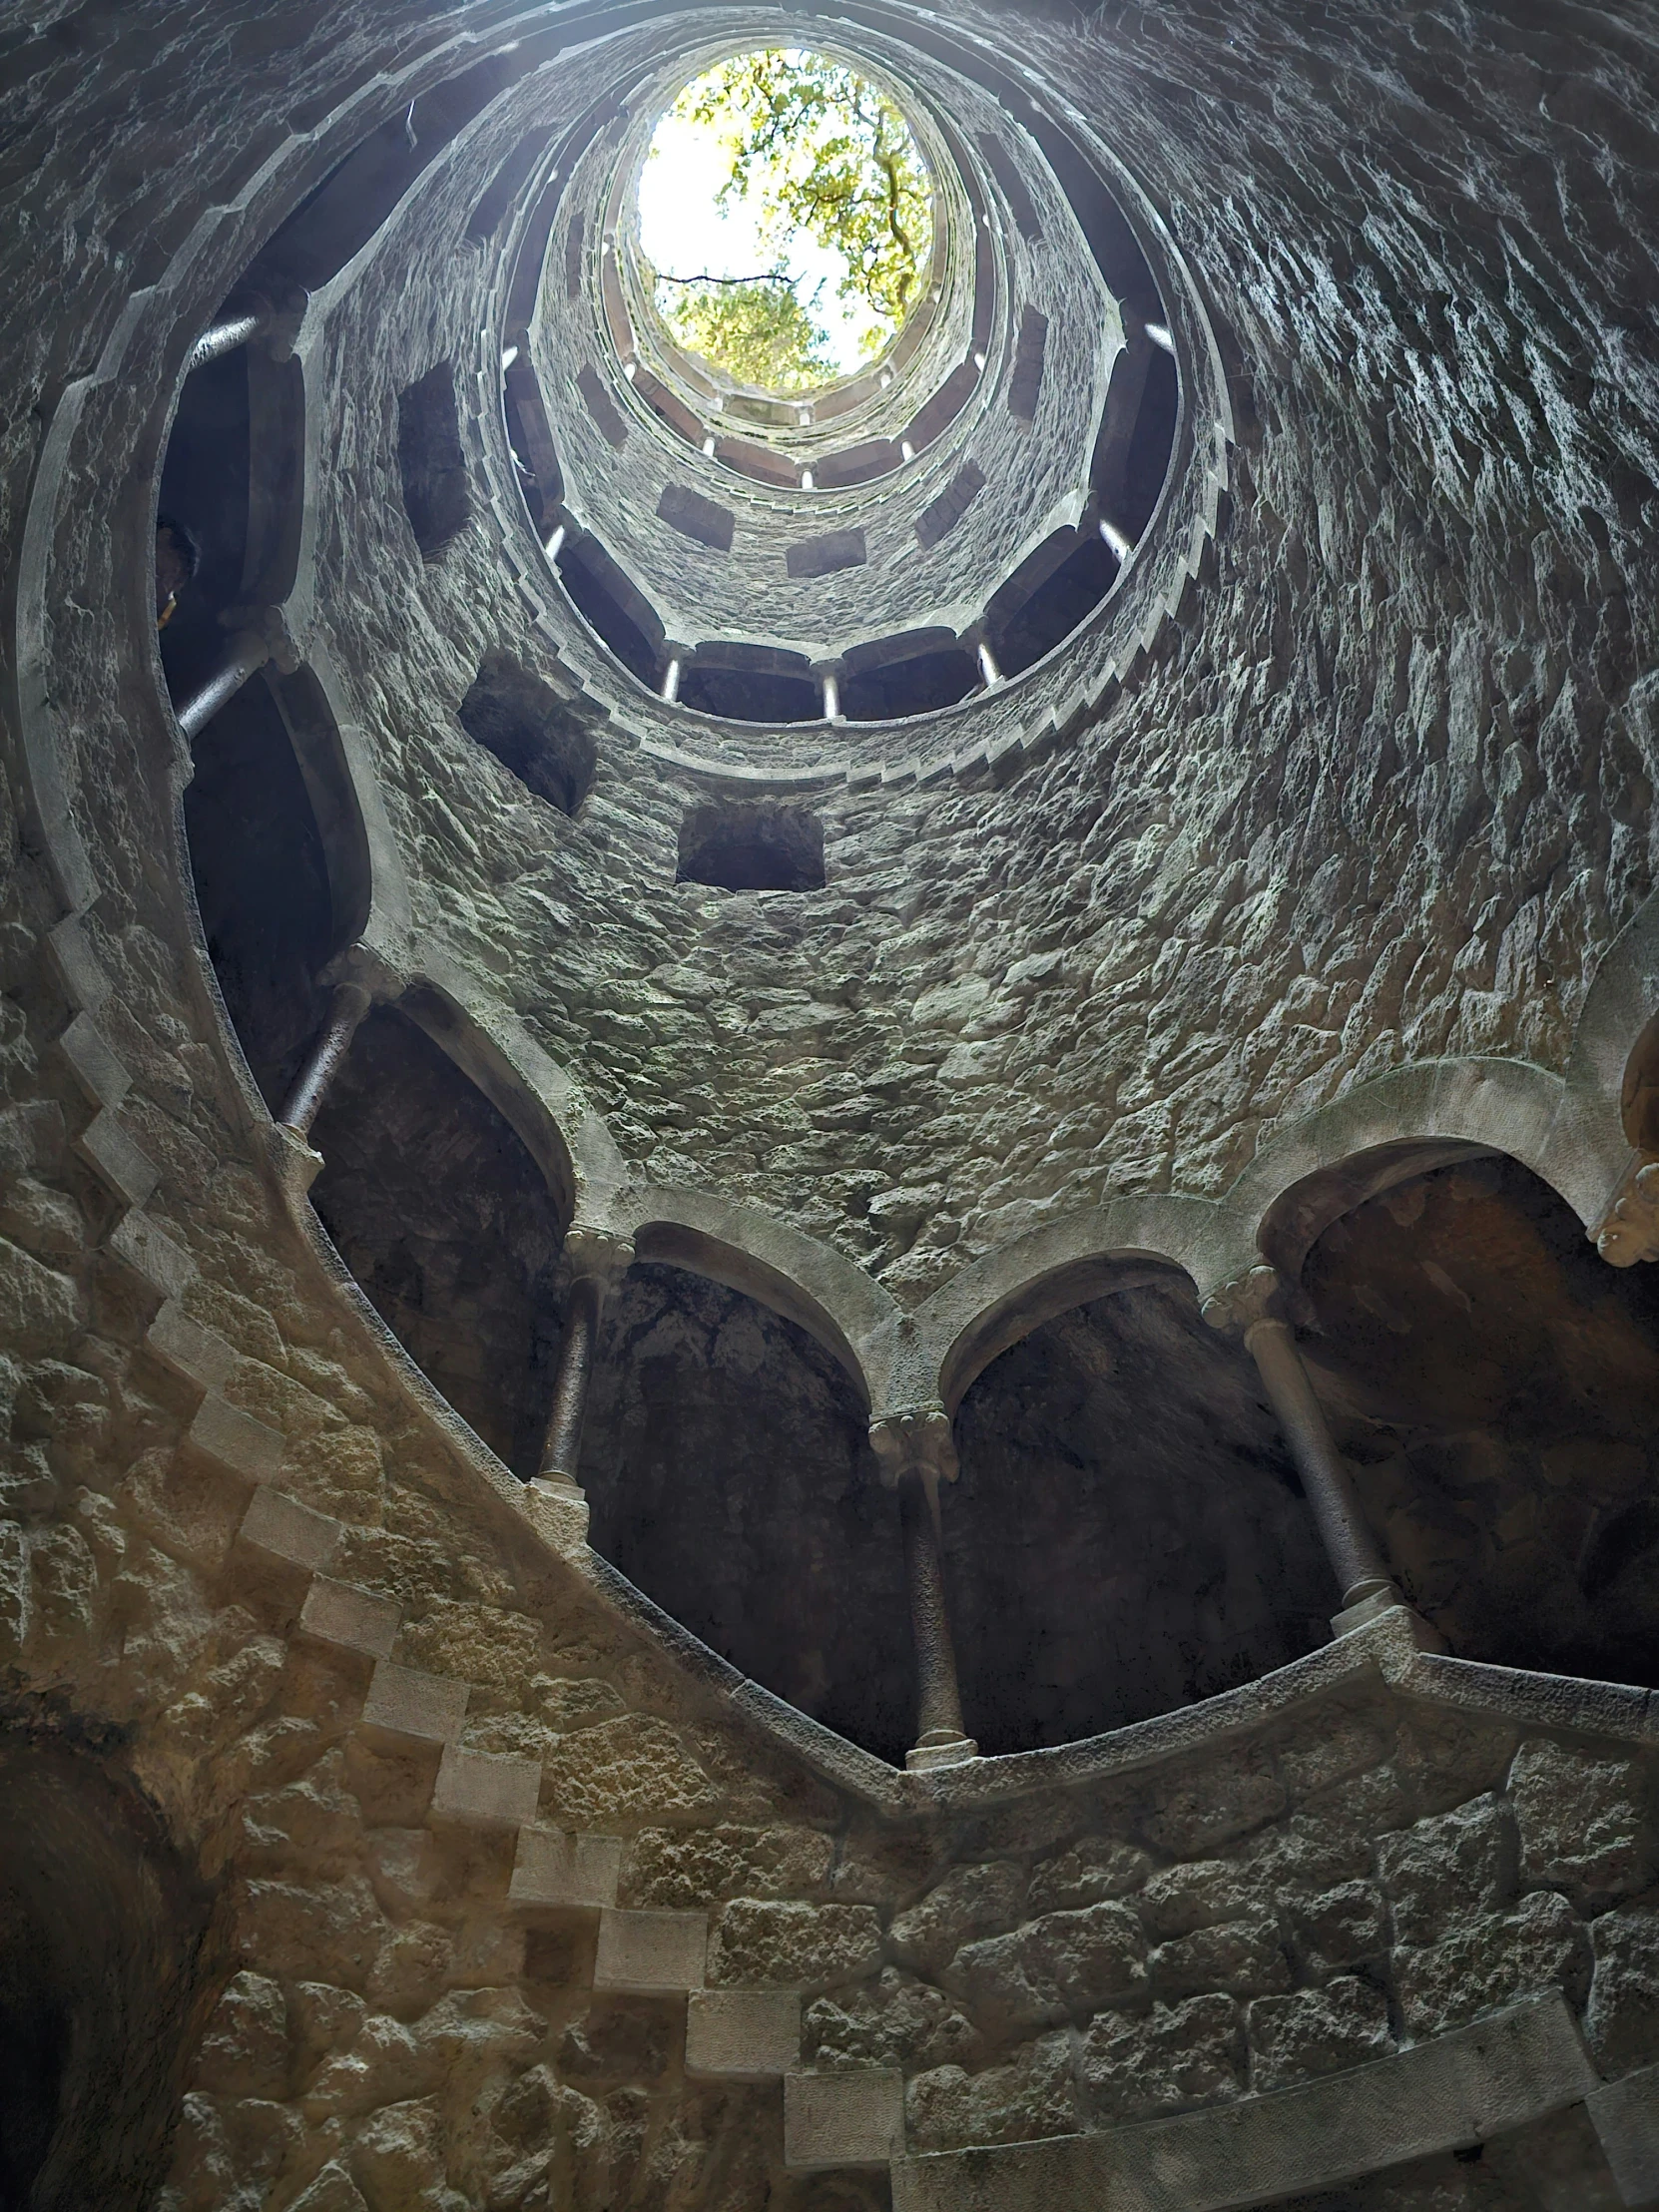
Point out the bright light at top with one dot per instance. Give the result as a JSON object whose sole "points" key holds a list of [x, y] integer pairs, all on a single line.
{"points": [[786, 213]]}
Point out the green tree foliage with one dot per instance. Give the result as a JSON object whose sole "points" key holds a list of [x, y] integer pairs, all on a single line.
{"points": [[757, 332], [817, 149]]}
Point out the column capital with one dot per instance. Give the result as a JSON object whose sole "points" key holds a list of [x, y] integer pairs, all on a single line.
{"points": [[598, 1256], [917, 1439], [1259, 1296], [1629, 1230]]}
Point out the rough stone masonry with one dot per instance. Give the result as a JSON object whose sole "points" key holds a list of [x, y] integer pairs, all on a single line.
{"points": [[477, 1552]]}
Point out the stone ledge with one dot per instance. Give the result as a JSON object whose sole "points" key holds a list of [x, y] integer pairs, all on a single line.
{"points": [[94, 1062], [651, 1953], [152, 1254], [1518, 2065], [82, 975], [848, 2119], [1625, 2116], [282, 1528], [335, 1613], [201, 1356], [118, 1158], [480, 1789], [555, 1868], [236, 1440], [742, 2035], [403, 1701]]}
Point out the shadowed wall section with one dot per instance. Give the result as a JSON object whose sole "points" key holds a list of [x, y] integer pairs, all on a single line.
{"points": [[442, 1216], [1126, 1535], [1498, 1385], [100, 1935], [727, 1462]]}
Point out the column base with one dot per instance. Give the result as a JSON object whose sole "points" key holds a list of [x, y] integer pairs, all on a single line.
{"points": [[940, 1747], [292, 1154], [1374, 1605], [559, 1510]]}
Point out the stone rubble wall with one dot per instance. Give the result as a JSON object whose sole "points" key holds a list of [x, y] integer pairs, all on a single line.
{"points": [[1387, 799]]}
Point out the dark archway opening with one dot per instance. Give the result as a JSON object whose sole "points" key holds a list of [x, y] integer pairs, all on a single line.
{"points": [[919, 684], [261, 884], [728, 1463], [101, 1928], [609, 604], [741, 693], [1128, 1534], [1055, 607], [204, 486], [435, 1205], [1496, 1384], [1153, 442]]}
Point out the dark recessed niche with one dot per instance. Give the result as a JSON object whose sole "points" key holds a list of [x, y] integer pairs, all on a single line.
{"points": [[938, 520], [1030, 353], [758, 848], [694, 516], [436, 495], [433, 1202], [530, 729], [836, 549]]}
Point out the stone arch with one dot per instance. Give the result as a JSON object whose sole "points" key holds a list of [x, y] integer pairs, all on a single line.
{"points": [[979, 1312], [1494, 1386], [780, 1266], [1572, 1140]]}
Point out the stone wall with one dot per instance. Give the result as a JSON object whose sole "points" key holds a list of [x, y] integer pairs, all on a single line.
{"points": [[1385, 797]]}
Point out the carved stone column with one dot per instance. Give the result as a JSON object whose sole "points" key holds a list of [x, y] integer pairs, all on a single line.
{"points": [[351, 1000], [916, 1453], [598, 1262], [1257, 1307]]}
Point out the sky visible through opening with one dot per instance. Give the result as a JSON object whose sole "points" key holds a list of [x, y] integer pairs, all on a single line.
{"points": [[795, 190]]}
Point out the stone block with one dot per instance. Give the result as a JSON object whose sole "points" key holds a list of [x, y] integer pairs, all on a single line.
{"points": [[1584, 1821], [480, 1789], [553, 1868], [651, 1953], [335, 1613], [236, 1440], [403, 1701], [152, 1254], [970, 1903], [118, 1158], [201, 1356], [82, 975], [742, 2035], [281, 1527], [848, 2119], [1625, 2116], [94, 1062], [1133, 2069], [792, 1944]]}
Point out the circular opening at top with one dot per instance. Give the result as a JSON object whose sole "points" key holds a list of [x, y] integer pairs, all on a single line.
{"points": [[785, 221]]}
